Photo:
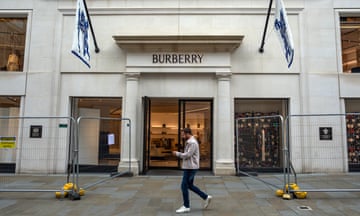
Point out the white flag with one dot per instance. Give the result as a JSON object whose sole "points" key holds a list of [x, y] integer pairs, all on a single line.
{"points": [[80, 46], [284, 32]]}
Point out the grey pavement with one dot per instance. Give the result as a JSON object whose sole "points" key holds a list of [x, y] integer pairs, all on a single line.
{"points": [[160, 195]]}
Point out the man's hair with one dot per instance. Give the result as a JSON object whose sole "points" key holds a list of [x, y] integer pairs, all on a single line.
{"points": [[187, 131]]}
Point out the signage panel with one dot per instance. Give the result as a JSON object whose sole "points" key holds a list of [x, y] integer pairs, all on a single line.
{"points": [[181, 60], [7, 142], [325, 133]]}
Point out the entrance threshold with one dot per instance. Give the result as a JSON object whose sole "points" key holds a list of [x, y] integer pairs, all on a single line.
{"points": [[168, 172]]}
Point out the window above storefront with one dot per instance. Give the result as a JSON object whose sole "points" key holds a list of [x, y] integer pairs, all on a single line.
{"points": [[350, 43], [12, 43], [9, 101]]}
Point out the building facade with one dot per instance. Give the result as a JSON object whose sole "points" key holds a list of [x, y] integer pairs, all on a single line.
{"points": [[172, 64]]}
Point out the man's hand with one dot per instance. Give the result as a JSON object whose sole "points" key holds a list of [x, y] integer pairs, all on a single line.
{"points": [[174, 153]]}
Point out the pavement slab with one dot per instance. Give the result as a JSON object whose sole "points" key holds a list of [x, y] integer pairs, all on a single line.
{"points": [[161, 195]]}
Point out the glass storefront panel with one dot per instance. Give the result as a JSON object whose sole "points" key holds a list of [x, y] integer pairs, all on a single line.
{"points": [[353, 133], [198, 118], [164, 132], [164, 118], [259, 142], [9, 128], [99, 140]]}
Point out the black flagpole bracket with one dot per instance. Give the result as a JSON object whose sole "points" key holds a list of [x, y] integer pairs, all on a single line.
{"points": [[97, 50], [261, 49]]}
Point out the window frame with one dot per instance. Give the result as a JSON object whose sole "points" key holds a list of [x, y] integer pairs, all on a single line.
{"points": [[20, 14], [339, 13]]}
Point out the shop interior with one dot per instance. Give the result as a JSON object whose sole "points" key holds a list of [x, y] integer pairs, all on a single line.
{"points": [[99, 139], [350, 42], [9, 106], [12, 46], [167, 116]]}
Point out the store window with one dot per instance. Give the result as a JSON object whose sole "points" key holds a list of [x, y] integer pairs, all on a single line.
{"points": [[9, 106], [99, 138], [259, 141], [164, 119], [350, 43], [353, 133], [12, 46]]}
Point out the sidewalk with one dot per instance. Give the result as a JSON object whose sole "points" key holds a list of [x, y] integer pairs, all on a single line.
{"points": [[160, 195]]}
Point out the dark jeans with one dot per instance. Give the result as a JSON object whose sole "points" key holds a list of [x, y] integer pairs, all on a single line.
{"points": [[188, 183]]}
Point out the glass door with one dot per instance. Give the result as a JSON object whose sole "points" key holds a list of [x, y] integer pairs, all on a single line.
{"points": [[197, 115], [146, 149], [163, 133], [163, 120]]}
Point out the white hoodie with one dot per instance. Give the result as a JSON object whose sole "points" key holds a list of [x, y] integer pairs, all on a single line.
{"points": [[191, 155]]}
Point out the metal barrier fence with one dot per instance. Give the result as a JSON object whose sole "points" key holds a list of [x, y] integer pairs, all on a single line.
{"points": [[322, 143], [259, 145], [33, 148], [35, 145], [50, 146], [318, 143], [88, 136]]}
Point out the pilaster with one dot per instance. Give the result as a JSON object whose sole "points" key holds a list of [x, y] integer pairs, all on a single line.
{"points": [[130, 104], [224, 147]]}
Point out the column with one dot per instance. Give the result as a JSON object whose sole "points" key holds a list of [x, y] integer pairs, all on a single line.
{"points": [[130, 105], [224, 146]]}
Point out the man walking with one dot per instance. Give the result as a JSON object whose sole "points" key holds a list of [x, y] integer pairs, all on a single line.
{"points": [[190, 164]]}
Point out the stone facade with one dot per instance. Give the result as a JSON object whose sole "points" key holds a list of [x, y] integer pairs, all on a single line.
{"points": [[314, 84]]}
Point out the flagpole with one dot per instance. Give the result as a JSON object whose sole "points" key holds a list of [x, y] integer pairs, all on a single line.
{"points": [[97, 50], [261, 49]]}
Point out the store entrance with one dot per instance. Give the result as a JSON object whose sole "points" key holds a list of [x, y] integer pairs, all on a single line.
{"points": [[99, 138], [164, 119]]}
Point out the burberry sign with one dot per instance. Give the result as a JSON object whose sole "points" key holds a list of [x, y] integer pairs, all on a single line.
{"points": [[177, 58]]}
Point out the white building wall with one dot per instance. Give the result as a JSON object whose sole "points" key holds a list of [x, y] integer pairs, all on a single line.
{"points": [[314, 84]]}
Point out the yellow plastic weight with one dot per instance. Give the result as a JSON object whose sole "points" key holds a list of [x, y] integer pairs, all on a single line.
{"points": [[70, 186], [279, 193], [66, 187], [295, 188], [61, 194], [82, 192], [65, 190], [287, 196], [301, 195], [292, 185]]}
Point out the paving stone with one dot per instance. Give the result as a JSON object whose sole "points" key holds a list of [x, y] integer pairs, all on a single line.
{"points": [[6, 203], [288, 213], [264, 194], [161, 195], [217, 192]]}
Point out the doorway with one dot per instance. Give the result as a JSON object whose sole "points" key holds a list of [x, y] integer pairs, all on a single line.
{"points": [[99, 139], [163, 120]]}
